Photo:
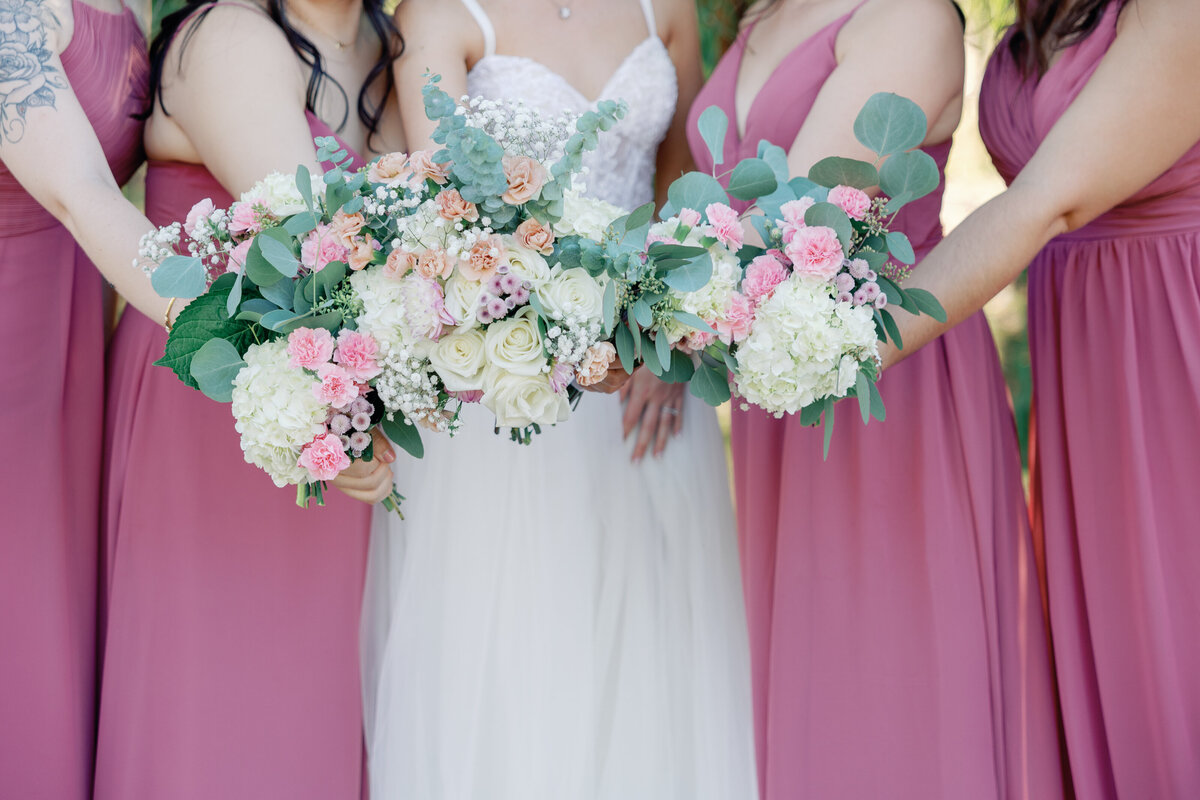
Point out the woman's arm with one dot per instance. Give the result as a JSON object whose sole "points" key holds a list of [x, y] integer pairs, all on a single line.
{"points": [[677, 22], [440, 37], [1135, 118], [51, 149]]}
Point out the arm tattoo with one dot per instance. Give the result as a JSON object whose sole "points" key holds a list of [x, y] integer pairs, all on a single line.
{"points": [[28, 79]]}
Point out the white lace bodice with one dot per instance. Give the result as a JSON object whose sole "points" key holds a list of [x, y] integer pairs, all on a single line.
{"points": [[621, 169]]}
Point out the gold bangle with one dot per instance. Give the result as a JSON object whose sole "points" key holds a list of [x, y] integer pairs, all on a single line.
{"points": [[167, 315]]}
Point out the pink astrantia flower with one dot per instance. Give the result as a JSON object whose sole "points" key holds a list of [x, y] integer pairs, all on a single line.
{"points": [[763, 274], [734, 325], [881, 301], [339, 424], [561, 376], [357, 353], [844, 282], [324, 457], [859, 268], [854, 202], [359, 441], [337, 387], [845, 297], [689, 217], [361, 406], [816, 251], [320, 248], [726, 225], [361, 422], [309, 348], [243, 218], [199, 213]]}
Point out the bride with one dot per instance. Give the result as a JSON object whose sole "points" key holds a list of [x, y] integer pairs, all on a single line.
{"points": [[562, 620]]}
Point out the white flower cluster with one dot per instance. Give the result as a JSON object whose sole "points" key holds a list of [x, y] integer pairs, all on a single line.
{"points": [[279, 194], [209, 236], [804, 346], [156, 246], [519, 129], [276, 412], [409, 387], [383, 308], [574, 302], [387, 201], [585, 216]]}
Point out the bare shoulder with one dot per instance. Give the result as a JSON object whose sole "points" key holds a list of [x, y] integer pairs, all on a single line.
{"points": [[675, 17], [424, 22], [1178, 17], [232, 40], [923, 23]]}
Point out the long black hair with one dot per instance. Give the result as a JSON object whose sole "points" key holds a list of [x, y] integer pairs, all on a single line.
{"points": [[370, 112], [1044, 26]]}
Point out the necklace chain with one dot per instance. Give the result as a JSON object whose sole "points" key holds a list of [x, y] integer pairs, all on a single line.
{"points": [[564, 10], [340, 44]]}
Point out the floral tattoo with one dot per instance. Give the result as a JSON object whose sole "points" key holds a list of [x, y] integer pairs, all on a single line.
{"points": [[28, 79]]}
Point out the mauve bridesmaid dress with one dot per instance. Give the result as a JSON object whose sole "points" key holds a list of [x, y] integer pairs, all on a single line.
{"points": [[897, 640], [230, 662], [52, 320], [1114, 323]]}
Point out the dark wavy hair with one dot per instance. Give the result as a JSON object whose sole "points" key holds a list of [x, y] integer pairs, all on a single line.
{"points": [[391, 47], [1044, 26]]}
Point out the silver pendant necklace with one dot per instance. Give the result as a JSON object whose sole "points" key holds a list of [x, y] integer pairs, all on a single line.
{"points": [[564, 12]]}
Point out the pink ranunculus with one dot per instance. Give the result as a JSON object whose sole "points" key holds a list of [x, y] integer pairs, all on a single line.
{"points": [[243, 218], [237, 256], [734, 325], [435, 263], [321, 247], [337, 386], [324, 457], [726, 225], [357, 353], [854, 202], [483, 259], [452, 207], [526, 176], [426, 169], [689, 217], [346, 227], [763, 274], [199, 213], [309, 348], [399, 263], [794, 210], [362, 253], [561, 376], [816, 251]]}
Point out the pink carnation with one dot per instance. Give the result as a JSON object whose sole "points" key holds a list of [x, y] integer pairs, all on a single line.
{"points": [[726, 225], [237, 256], [793, 216], [854, 202], [321, 248], [763, 274], [309, 348], [695, 341], [198, 214], [337, 387], [356, 353], [816, 251], [737, 320], [243, 218], [690, 217], [324, 457]]}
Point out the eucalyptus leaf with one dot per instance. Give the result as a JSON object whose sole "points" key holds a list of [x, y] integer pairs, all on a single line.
{"points": [[609, 307], [927, 303], [713, 124], [235, 296], [275, 320], [908, 176], [877, 409], [776, 158], [697, 191], [751, 179], [259, 269], [811, 414], [829, 403], [624, 343], [681, 370], [303, 295], [692, 276], [693, 321], [183, 277], [710, 384], [834, 171], [650, 355], [214, 366], [273, 243], [900, 247], [201, 320], [894, 294], [639, 216], [404, 435], [662, 349], [254, 308], [889, 123], [893, 330], [280, 293], [863, 392], [643, 313], [830, 216], [304, 185], [299, 224]]}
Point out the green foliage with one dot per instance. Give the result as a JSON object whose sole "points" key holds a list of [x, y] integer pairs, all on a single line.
{"points": [[203, 319]]}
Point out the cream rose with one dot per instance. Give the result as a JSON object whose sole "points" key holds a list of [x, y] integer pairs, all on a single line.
{"points": [[526, 176], [452, 207], [514, 345], [278, 193], [535, 236], [573, 292], [521, 400], [460, 359], [390, 169], [462, 299], [596, 363], [526, 264]]}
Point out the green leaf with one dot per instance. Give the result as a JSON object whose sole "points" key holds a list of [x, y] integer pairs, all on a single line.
{"points": [[927, 303], [254, 308], [681, 370], [828, 425], [892, 330], [258, 268], [693, 321], [697, 191], [403, 434], [643, 313], [692, 276], [752, 178], [235, 296], [214, 366], [863, 392], [304, 185], [328, 278], [275, 245], [662, 348], [894, 294], [650, 355], [280, 292], [899, 246], [275, 320], [303, 297], [609, 307], [889, 123], [183, 277], [713, 125], [710, 384], [908, 176], [776, 158], [639, 216], [330, 321], [810, 415], [201, 320], [830, 216], [665, 250], [624, 343], [834, 171], [299, 224], [877, 409]]}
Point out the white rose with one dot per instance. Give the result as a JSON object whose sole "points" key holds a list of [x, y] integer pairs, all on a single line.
{"points": [[573, 292], [515, 345], [585, 216], [521, 400], [280, 194], [462, 299], [459, 359], [526, 264]]}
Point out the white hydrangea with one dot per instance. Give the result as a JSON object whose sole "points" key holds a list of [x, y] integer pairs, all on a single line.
{"points": [[585, 216], [276, 412], [710, 301], [804, 346], [278, 191], [383, 307]]}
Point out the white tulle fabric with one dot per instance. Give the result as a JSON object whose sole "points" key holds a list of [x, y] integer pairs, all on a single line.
{"points": [[552, 622]]}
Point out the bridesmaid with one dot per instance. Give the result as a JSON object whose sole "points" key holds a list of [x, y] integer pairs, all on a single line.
{"points": [[897, 640], [230, 664], [1088, 109], [72, 79]]}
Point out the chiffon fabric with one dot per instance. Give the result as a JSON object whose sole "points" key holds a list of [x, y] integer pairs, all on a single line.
{"points": [[897, 639], [1114, 314], [231, 626], [52, 320]]}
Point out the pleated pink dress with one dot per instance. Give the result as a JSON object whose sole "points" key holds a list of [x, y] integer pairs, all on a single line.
{"points": [[52, 321], [897, 641], [230, 663], [1114, 320]]}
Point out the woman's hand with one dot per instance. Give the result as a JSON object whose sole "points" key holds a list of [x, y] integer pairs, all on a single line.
{"points": [[654, 408], [614, 381], [369, 481]]}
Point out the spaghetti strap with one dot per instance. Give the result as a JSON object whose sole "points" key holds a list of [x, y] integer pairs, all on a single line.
{"points": [[648, 11], [485, 25]]}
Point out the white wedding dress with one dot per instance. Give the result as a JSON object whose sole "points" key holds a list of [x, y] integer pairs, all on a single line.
{"points": [[553, 622]]}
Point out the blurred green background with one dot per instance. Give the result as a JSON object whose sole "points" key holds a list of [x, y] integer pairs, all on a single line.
{"points": [[970, 179]]}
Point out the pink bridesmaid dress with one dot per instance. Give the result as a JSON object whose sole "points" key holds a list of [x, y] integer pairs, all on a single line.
{"points": [[897, 641], [230, 660], [1114, 320], [52, 320]]}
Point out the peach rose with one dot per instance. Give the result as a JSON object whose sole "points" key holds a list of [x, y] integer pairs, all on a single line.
{"points": [[398, 264], [346, 226], [535, 236], [595, 364], [362, 253], [526, 177], [425, 168], [451, 206], [435, 263], [484, 259], [390, 169]]}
